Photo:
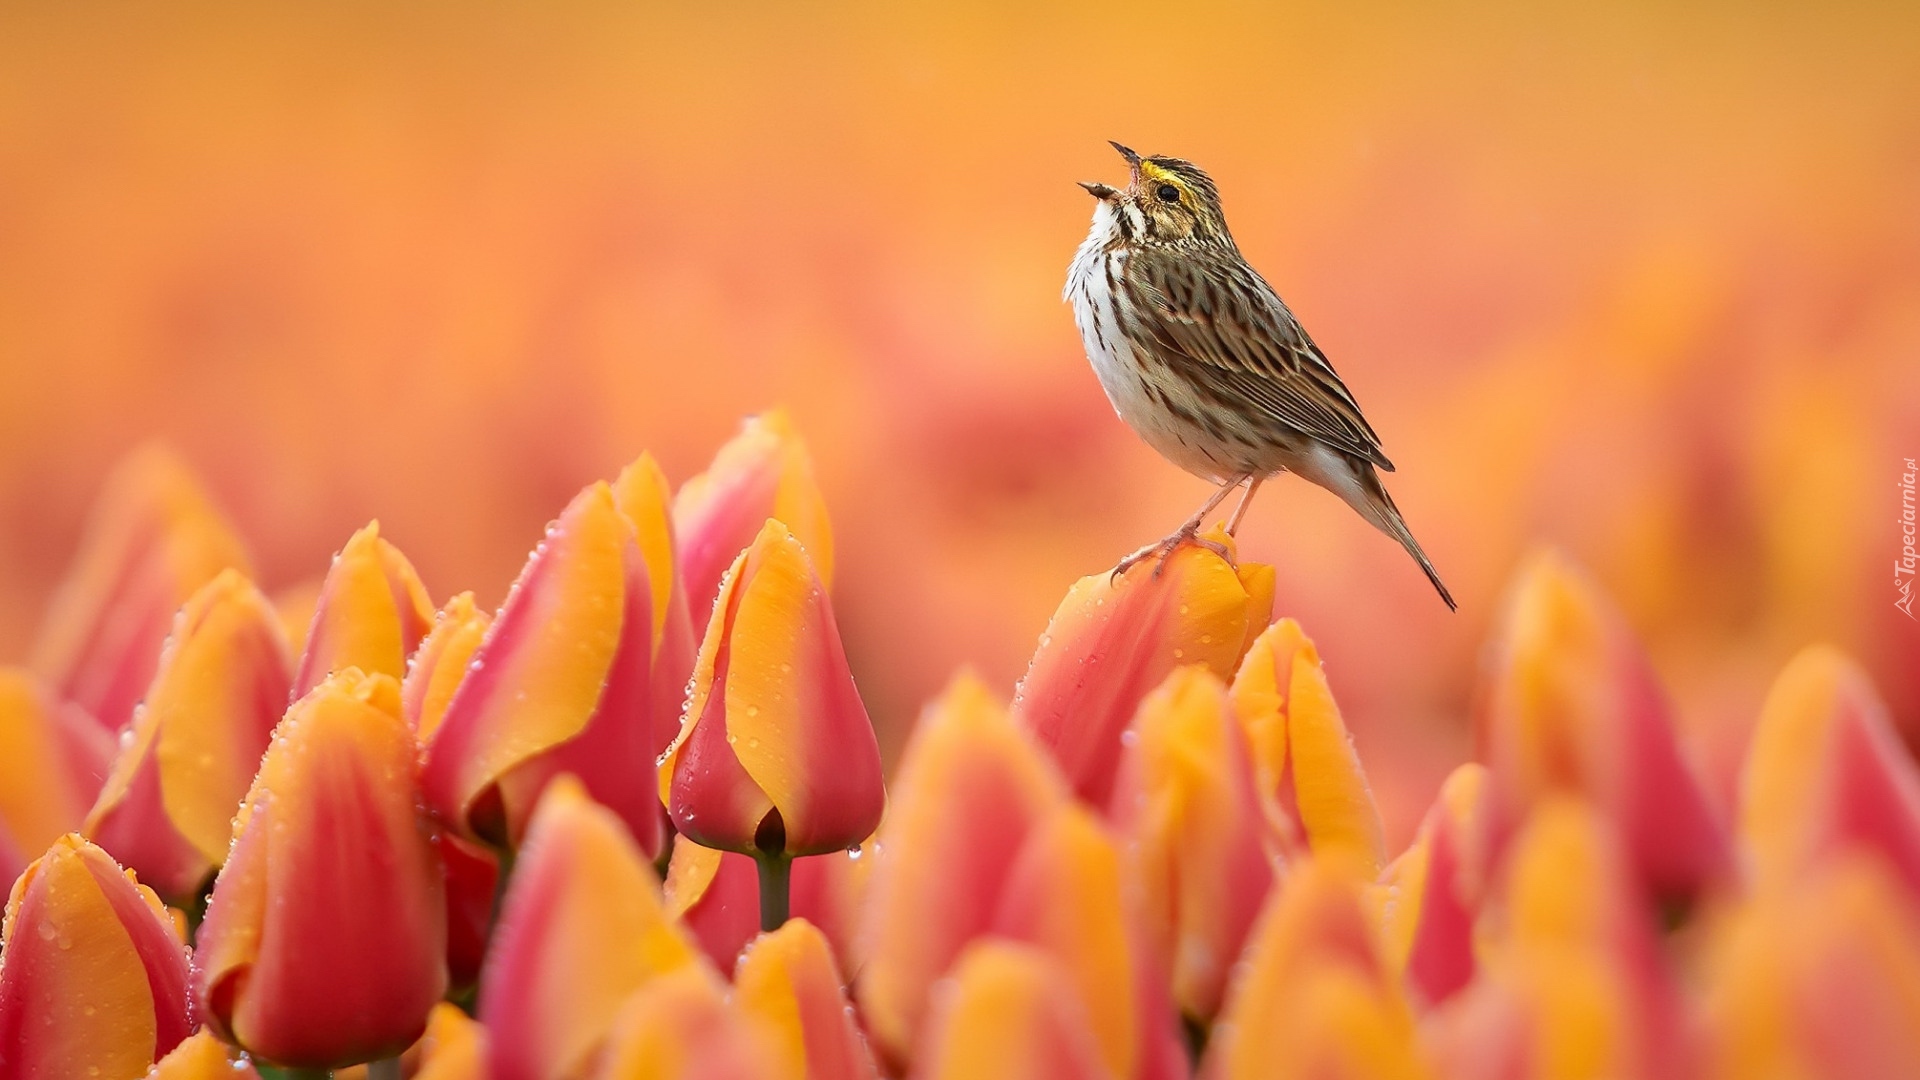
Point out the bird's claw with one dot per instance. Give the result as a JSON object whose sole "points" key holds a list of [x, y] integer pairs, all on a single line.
{"points": [[1165, 549]]}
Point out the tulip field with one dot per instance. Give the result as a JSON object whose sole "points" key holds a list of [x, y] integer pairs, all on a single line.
{"points": [[635, 824]]}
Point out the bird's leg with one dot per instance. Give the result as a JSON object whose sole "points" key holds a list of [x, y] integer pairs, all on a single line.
{"points": [[1233, 523], [1188, 533]]}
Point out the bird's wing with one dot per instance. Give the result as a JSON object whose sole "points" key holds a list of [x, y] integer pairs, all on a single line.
{"points": [[1242, 345]]}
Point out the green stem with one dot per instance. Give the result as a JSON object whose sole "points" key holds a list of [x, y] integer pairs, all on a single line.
{"points": [[776, 874]]}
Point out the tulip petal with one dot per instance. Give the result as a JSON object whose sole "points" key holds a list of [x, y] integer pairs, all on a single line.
{"points": [[371, 614], [764, 472], [52, 761], [642, 494], [1430, 896], [195, 742], [454, 1047], [788, 980], [1826, 772], [1113, 640], [93, 980], [681, 1027], [439, 665], [971, 788], [153, 538], [293, 963], [202, 1057], [581, 929], [559, 684], [1187, 803], [1010, 1013]]}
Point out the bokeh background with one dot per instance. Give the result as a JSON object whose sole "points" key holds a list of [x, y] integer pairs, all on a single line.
{"points": [[1641, 281]]}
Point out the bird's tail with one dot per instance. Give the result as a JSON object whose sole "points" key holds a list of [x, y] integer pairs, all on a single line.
{"points": [[1385, 516]]}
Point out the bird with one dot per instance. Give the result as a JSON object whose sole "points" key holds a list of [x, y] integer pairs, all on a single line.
{"points": [[1205, 362]]}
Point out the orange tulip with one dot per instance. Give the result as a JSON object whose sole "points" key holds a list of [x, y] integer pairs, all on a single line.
{"points": [[437, 668], [53, 758], [202, 1057], [775, 756], [1009, 1013], [559, 684], [764, 472], [787, 979], [154, 537], [681, 1027], [1572, 706], [93, 976], [1826, 773], [1431, 895], [971, 788], [1113, 640], [371, 613], [716, 896], [1311, 785], [641, 493], [1186, 801], [580, 930], [1316, 998], [325, 939], [194, 744], [454, 1047]]}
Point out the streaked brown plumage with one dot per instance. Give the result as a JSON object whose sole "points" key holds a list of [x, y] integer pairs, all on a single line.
{"points": [[1203, 359]]}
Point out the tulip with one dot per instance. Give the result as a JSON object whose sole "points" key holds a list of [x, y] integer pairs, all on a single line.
{"points": [[1431, 895], [202, 1057], [295, 962], [776, 757], [439, 665], [681, 1027], [1316, 997], [454, 1047], [1572, 707], [1114, 639], [194, 744], [1186, 800], [1817, 976], [715, 895], [580, 930], [1010, 1013], [788, 980], [371, 613], [764, 472], [93, 976], [1574, 983], [642, 495], [1827, 773], [559, 684], [154, 537], [1311, 784], [53, 758], [970, 789]]}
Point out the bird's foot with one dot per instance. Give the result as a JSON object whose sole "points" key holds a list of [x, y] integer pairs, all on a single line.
{"points": [[1164, 549]]}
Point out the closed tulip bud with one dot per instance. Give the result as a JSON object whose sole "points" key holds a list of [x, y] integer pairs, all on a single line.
{"points": [[454, 1047], [153, 538], [167, 809], [1430, 896], [971, 788], [1113, 640], [53, 758], [295, 961], [1009, 1013], [1315, 997], [371, 613], [93, 976], [764, 472], [1571, 706], [787, 979], [776, 756], [1186, 800], [1826, 773], [437, 668], [559, 684], [715, 895], [202, 1057], [580, 930], [642, 495], [1312, 787], [681, 1027]]}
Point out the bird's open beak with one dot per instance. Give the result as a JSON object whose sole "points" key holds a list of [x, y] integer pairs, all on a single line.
{"points": [[1133, 159], [1098, 191]]}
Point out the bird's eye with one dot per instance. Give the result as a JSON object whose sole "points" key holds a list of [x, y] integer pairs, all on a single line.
{"points": [[1168, 193]]}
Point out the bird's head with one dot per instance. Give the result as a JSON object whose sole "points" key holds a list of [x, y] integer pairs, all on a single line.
{"points": [[1166, 200]]}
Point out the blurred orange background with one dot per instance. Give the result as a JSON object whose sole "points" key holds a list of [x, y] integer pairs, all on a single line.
{"points": [[1639, 281]]}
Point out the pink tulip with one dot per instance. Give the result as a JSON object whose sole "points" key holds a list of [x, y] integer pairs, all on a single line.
{"points": [[788, 980], [53, 758], [1009, 1013], [371, 613]]}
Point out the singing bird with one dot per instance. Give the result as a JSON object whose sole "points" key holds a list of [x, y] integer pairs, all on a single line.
{"points": [[1203, 360]]}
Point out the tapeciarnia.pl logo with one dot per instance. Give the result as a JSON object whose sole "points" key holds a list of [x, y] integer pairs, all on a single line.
{"points": [[1903, 567]]}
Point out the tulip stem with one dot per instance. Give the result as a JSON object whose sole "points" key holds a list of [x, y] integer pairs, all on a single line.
{"points": [[776, 877]]}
